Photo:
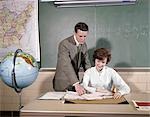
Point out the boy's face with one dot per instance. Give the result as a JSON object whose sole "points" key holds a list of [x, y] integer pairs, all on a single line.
{"points": [[81, 36], [100, 63]]}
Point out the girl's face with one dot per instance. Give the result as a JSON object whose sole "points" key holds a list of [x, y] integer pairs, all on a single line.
{"points": [[100, 63]]}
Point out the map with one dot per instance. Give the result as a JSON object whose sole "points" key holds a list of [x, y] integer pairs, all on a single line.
{"points": [[19, 27]]}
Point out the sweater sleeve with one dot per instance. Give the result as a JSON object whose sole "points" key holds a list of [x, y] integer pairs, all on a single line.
{"points": [[86, 81], [119, 83]]}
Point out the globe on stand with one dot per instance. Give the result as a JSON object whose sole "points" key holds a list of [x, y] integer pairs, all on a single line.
{"points": [[18, 70]]}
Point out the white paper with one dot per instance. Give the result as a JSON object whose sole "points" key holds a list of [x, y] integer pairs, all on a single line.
{"points": [[92, 96], [53, 96]]}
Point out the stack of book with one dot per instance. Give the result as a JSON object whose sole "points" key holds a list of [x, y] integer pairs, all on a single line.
{"points": [[141, 105]]}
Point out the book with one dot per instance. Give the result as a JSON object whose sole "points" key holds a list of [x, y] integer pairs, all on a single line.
{"points": [[91, 96], [141, 105], [74, 96], [53, 96]]}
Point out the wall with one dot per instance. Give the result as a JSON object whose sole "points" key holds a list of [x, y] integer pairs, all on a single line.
{"points": [[123, 29]]}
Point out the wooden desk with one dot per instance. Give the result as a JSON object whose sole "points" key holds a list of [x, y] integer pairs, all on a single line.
{"points": [[55, 108]]}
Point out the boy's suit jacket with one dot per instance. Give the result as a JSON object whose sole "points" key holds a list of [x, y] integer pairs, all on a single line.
{"points": [[67, 64]]}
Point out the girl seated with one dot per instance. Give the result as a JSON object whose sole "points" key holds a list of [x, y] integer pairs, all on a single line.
{"points": [[102, 78]]}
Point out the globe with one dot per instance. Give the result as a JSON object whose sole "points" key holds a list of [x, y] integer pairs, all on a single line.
{"points": [[18, 69]]}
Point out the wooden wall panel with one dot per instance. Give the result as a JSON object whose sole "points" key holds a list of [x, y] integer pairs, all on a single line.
{"points": [[138, 80]]}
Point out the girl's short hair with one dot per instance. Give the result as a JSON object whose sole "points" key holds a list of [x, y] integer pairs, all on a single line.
{"points": [[101, 54]]}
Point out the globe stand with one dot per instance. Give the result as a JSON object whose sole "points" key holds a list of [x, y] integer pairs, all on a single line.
{"points": [[20, 101], [14, 82]]}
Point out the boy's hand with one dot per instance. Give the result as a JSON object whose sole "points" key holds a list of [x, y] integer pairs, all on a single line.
{"points": [[79, 89]]}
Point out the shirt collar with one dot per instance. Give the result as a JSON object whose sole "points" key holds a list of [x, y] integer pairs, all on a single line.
{"points": [[77, 43], [101, 70]]}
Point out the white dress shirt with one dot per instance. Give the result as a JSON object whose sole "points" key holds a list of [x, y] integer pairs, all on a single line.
{"points": [[77, 44], [106, 78]]}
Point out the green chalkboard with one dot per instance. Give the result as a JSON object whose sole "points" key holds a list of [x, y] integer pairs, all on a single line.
{"points": [[123, 29]]}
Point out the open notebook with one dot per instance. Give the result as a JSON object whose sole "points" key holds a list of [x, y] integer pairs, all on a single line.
{"points": [[70, 95], [91, 96]]}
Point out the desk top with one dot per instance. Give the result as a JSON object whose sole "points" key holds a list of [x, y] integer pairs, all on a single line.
{"points": [[58, 107]]}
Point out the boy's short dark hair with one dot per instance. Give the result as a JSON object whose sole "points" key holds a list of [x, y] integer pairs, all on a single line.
{"points": [[82, 26], [101, 54]]}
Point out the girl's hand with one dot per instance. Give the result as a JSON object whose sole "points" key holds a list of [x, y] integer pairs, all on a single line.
{"points": [[102, 90], [117, 95]]}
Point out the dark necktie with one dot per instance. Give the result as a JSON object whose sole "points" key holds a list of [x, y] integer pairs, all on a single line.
{"points": [[79, 55]]}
